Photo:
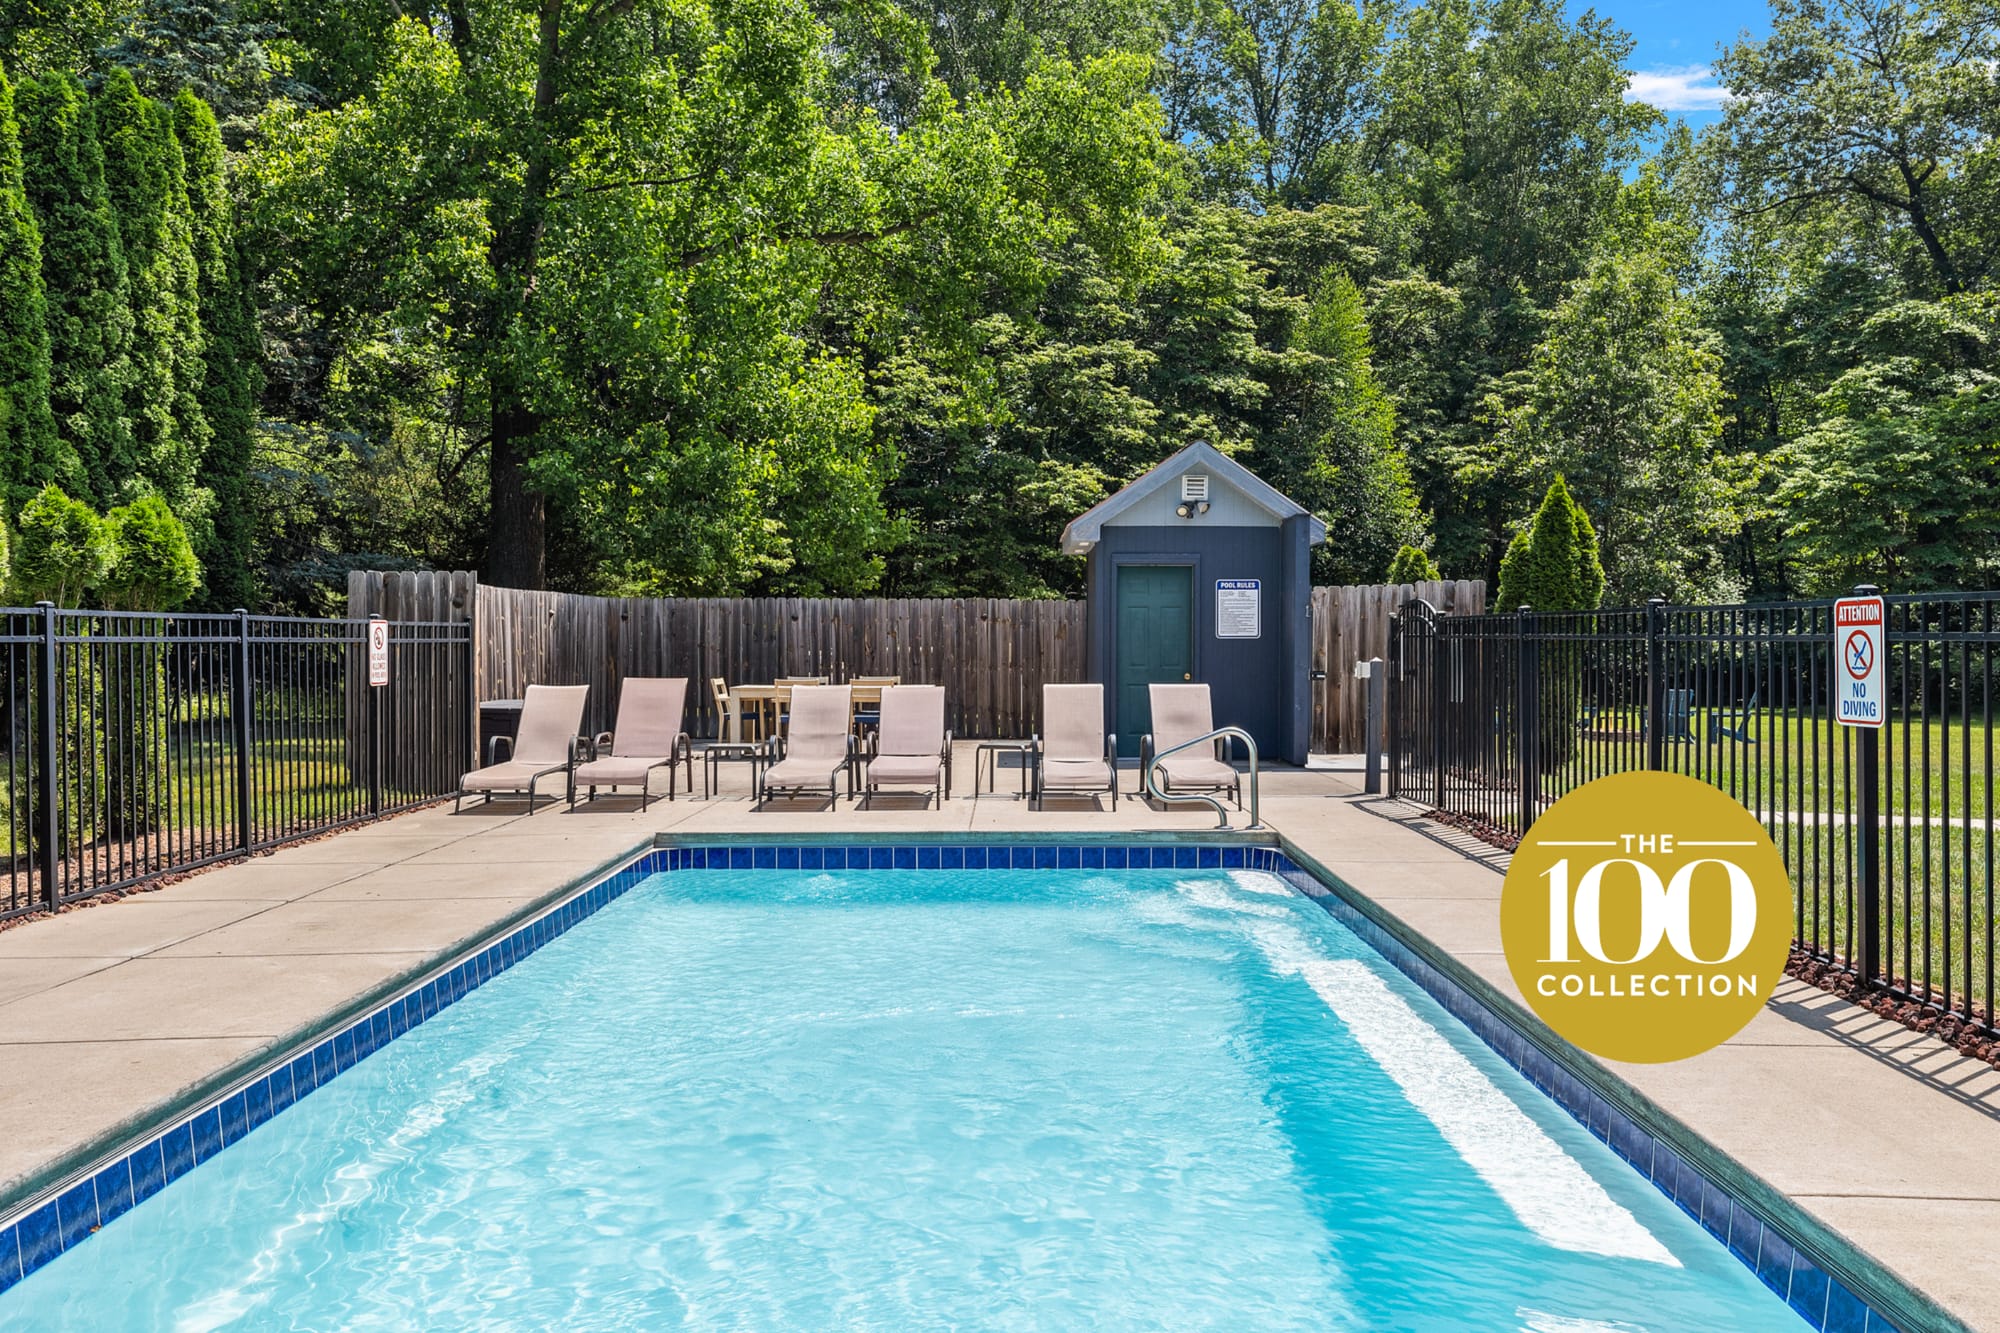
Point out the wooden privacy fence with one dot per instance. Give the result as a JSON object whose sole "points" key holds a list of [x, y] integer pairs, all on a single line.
{"points": [[992, 656], [1351, 624]]}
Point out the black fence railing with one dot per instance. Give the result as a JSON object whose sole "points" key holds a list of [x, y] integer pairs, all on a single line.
{"points": [[1494, 717], [134, 745]]}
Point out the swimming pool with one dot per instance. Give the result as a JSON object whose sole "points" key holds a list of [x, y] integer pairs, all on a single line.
{"points": [[802, 1098]]}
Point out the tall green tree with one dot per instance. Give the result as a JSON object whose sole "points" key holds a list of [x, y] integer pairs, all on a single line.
{"points": [[1552, 563], [1495, 171], [28, 447], [1623, 400], [1895, 479], [1338, 454], [1265, 90], [146, 182], [614, 265], [1885, 108], [226, 300], [85, 277]]}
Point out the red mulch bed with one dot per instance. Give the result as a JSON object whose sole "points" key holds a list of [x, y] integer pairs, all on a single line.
{"points": [[1481, 829]]}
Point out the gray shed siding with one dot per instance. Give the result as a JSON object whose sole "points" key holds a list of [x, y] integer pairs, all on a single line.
{"points": [[1257, 684]]}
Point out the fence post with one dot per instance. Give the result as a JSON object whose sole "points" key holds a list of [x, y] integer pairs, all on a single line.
{"points": [[374, 724], [1392, 700], [1527, 714], [239, 720], [1440, 669], [1371, 714], [48, 818], [471, 759], [1656, 670], [1868, 825]]}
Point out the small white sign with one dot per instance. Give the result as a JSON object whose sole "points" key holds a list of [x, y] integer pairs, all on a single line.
{"points": [[1239, 608], [378, 652], [1857, 662]]}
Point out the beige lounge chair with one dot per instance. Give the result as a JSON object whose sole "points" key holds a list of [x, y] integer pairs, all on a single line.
{"points": [[810, 757], [911, 746], [1076, 757], [649, 736], [546, 742], [1181, 713]]}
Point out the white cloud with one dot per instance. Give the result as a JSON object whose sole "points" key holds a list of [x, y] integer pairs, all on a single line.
{"points": [[1677, 88]]}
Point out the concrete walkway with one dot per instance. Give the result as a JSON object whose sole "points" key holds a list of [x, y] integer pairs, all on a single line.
{"points": [[111, 1013]]}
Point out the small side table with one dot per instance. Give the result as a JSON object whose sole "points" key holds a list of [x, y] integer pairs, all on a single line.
{"points": [[716, 753], [989, 753]]}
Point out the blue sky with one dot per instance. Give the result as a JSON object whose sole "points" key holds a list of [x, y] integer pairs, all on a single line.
{"points": [[1677, 42]]}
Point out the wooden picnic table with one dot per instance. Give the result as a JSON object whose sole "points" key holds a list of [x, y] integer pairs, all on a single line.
{"points": [[770, 699]]}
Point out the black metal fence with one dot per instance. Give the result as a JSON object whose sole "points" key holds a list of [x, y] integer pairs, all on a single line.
{"points": [[133, 745], [1888, 834]]}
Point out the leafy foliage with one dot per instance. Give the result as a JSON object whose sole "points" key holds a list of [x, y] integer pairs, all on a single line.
{"points": [[1552, 564], [85, 279], [27, 431], [61, 551], [1412, 565], [152, 565]]}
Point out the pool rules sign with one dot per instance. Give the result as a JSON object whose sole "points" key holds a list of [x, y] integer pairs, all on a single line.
{"points": [[378, 652], [1857, 661]]}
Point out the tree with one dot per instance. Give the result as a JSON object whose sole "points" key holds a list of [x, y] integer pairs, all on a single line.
{"points": [[1496, 168], [152, 565], [612, 280], [207, 48], [227, 304], [61, 551], [1894, 481], [1623, 400], [1338, 454], [28, 447], [1886, 108], [1266, 88], [1412, 565], [84, 276], [1552, 564], [145, 179]]}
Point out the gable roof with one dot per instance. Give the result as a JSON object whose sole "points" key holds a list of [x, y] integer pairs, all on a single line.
{"points": [[1086, 529]]}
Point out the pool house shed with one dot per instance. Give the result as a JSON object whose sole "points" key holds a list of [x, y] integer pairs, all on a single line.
{"points": [[1200, 571]]}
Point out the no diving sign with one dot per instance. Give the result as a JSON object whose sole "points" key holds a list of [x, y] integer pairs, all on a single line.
{"points": [[1857, 661]]}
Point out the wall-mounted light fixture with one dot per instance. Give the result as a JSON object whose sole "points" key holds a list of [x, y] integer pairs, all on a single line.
{"points": [[1189, 508]]}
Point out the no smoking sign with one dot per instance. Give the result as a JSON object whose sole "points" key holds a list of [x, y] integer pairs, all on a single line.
{"points": [[1857, 647]]}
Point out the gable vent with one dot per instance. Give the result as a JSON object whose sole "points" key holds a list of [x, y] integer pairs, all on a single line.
{"points": [[1194, 486]]}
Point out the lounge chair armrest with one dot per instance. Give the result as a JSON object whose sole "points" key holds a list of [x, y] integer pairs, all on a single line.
{"points": [[945, 754], [1111, 748], [493, 749], [577, 746], [601, 743]]}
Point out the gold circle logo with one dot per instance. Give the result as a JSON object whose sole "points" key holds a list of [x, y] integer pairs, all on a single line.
{"points": [[1646, 917]]}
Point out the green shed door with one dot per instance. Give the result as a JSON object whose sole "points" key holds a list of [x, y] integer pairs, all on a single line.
{"points": [[1155, 641]]}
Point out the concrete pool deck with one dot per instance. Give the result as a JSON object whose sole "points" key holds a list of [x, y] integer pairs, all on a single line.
{"points": [[111, 1013]]}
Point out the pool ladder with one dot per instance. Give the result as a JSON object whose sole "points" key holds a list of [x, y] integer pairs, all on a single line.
{"points": [[1154, 790]]}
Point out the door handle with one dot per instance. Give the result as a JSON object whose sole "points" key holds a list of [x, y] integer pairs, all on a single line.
{"points": [[1187, 675]]}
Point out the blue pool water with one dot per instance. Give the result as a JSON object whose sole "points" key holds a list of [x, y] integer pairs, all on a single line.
{"points": [[914, 1100]]}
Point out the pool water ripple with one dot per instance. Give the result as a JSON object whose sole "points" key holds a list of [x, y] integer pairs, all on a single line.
{"points": [[912, 1100]]}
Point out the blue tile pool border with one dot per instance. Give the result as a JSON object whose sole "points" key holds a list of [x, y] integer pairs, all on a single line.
{"points": [[65, 1216]]}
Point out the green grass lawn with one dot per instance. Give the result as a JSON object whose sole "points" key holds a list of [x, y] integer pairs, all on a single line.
{"points": [[1938, 877]]}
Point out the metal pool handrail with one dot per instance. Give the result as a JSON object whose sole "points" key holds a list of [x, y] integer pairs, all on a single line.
{"points": [[1209, 738]]}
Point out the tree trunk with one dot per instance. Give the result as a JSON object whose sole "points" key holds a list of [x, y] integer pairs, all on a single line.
{"points": [[516, 545], [518, 524]]}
